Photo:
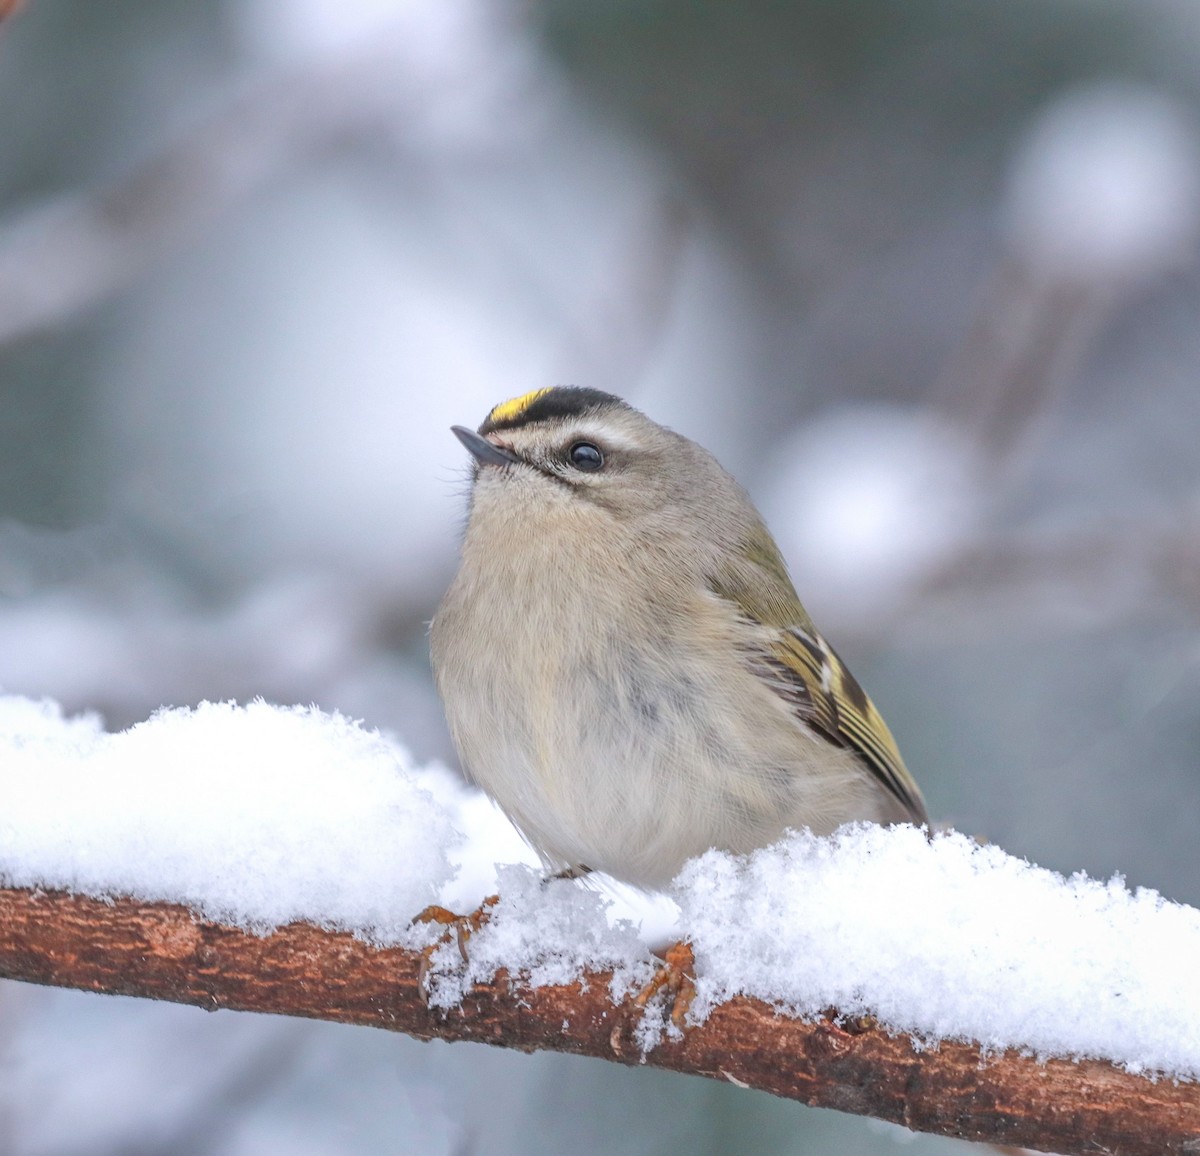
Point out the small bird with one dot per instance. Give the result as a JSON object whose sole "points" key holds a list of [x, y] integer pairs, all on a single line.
{"points": [[624, 663]]}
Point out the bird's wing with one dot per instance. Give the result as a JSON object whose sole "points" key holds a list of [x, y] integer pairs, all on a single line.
{"points": [[800, 666]]}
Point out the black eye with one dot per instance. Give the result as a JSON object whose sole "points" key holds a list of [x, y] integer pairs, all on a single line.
{"points": [[585, 456]]}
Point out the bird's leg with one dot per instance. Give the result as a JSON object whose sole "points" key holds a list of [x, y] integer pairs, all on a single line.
{"points": [[678, 977], [576, 872]]}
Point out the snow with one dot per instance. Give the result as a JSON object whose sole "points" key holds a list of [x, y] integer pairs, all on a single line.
{"points": [[259, 815], [256, 815], [549, 932], [950, 939]]}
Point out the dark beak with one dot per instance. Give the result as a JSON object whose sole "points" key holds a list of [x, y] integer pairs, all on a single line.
{"points": [[484, 451]]}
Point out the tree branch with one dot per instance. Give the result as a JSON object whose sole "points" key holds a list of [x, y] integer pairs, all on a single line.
{"points": [[162, 951]]}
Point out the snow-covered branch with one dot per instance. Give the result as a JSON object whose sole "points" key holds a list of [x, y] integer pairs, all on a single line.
{"points": [[272, 859], [162, 951]]}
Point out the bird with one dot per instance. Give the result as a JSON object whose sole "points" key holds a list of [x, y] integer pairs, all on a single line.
{"points": [[624, 663]]}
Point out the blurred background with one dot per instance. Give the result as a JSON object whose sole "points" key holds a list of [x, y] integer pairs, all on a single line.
{"points": [[922, 273]]}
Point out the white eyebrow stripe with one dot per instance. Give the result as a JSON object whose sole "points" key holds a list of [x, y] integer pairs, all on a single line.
{"points": [[591, 430]]}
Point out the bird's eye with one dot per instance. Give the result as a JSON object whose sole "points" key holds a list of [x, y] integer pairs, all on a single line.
{"points": [[585, 456]]}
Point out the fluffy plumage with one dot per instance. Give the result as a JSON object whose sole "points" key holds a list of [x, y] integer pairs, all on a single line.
{"points": [[624, 663]]}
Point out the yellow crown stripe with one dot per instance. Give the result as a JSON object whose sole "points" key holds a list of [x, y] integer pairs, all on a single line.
{"points": [[511, 410]]}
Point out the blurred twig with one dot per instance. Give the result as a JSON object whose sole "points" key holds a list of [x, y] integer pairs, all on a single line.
{"points": [[393, 87], [162, 951], [1030, 331], [1067, 578], [68, 252], [1027, 337]]}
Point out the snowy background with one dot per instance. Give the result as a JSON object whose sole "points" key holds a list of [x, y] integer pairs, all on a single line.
{"points": [[923, 274]]}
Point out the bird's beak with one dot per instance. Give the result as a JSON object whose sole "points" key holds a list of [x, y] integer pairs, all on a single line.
{"points": [[485, 452]]}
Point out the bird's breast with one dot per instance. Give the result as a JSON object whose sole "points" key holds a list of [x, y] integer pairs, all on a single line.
{"points": [[577, 698]]}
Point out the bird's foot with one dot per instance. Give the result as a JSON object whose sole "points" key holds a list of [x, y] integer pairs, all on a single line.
{"points": [[460, 927], [676, 977]]}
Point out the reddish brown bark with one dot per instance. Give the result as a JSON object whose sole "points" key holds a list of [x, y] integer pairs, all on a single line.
{"points": [[163, 952]]}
